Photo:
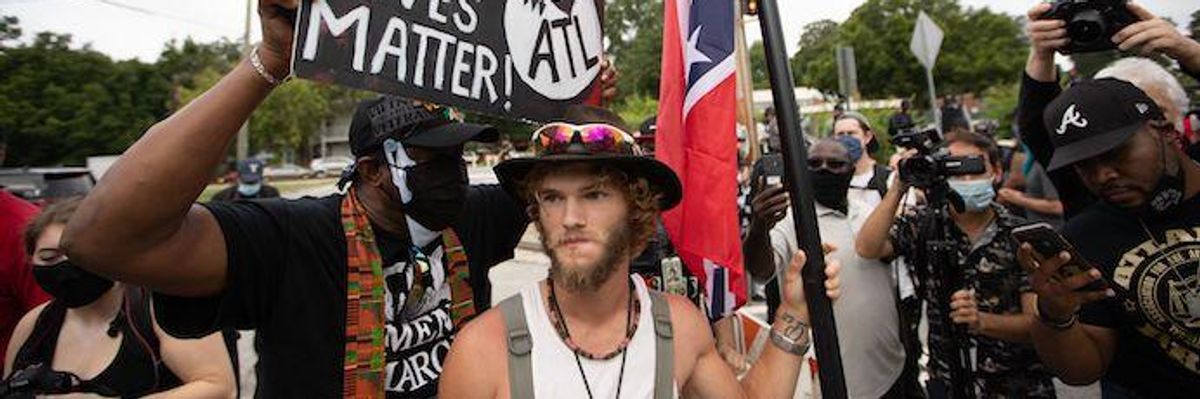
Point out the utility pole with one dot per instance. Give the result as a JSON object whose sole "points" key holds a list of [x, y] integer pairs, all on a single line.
{"points": [[243, 137], [799, 186], [745, 82]]}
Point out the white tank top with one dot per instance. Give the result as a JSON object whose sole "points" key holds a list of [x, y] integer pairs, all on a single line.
{"points": [[557, 376]]}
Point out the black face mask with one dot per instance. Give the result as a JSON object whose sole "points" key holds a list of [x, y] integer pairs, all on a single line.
{"points": [[829, 188], [70, 284], [1166, 195], [439, 192]]}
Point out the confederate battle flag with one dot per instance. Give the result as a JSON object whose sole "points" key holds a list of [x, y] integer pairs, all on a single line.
{"points": [[697, 138]]}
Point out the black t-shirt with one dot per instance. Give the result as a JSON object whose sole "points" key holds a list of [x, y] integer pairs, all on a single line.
{"points": [[287, 278], [1156, 312]]}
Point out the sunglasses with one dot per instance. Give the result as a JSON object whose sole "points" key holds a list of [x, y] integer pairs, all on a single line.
{"points": [[827, 163], [564, 138]]}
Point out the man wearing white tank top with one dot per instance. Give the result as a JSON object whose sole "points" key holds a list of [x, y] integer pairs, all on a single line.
{"points": [[590, 330]]}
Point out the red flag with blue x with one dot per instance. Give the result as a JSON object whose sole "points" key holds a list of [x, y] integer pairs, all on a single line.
{"points": [[697, 138]]}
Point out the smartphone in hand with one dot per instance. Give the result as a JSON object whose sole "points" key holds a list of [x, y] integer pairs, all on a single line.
{"points": [[1048, 243], [772, 167]]}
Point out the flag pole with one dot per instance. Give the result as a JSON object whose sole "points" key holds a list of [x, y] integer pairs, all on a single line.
{"points": [[795, 152]]}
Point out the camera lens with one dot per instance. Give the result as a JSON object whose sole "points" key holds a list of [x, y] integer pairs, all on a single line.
{"points": [[1087, 26]]}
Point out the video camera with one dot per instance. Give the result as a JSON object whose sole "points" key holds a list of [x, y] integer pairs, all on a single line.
{"points": [[932, 165], [1091, 24]]}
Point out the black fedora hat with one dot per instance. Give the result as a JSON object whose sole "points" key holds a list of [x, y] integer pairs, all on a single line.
{"points": [[562, 143]]}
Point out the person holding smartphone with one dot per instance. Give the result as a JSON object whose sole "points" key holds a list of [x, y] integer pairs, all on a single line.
{"points": [[1110, 139]]}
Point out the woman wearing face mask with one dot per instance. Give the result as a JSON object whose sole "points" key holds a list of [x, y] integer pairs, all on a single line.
{"points": [[99, 337]]}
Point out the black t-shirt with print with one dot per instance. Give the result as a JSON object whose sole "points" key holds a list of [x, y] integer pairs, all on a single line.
{"points": [[287, 278], [1156, 312]]}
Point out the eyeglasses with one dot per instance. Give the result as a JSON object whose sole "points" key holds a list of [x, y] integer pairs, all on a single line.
{"points": [[827, 163], [565, 138]]}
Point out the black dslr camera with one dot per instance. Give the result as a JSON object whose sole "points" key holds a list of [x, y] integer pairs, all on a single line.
{"points": [[932, 165], [1091, 24]]}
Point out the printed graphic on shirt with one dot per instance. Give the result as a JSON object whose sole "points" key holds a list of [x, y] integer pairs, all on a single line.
{"points": [[418, 328], [1161, 281]]}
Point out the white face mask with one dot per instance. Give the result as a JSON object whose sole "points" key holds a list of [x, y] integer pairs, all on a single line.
{"points": [[249, 190], [399, 162]]}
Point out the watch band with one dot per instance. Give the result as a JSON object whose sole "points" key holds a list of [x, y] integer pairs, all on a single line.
{"points": [[1059, 325]]}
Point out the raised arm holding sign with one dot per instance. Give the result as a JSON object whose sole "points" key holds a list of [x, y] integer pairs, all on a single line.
{"points": [[354, 295]]}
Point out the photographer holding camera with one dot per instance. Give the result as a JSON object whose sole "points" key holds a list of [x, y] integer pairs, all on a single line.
{"points": [[1118, 141], [1071, 27], [990, 297]]}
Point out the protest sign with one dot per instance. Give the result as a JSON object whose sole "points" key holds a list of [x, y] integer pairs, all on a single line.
{"points": [[518, 59]]}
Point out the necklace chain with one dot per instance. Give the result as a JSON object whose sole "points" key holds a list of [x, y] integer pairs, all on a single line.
{"points": [[560, 323]]}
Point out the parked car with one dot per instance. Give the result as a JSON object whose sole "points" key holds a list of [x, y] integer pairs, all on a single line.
{"points": [[45, 185], [329, 166], [286, 171]]}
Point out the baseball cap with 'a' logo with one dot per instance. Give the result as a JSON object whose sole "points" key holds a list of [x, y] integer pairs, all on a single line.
{"points": [[1093, 117]]}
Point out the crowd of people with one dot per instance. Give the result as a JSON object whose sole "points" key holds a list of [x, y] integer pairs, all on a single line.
{"points": [[382, 290]]}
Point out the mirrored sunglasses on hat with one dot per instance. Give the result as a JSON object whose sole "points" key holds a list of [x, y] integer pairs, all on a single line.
{"points": [[565, 138]]}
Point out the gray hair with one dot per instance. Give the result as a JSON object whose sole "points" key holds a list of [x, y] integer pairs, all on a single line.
{"points": [[1147, 74]]}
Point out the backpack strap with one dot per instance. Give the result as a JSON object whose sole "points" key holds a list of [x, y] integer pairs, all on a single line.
{"points": [[879, 182], [139, 315], [520, 344], [664, 347], [39, 347]]}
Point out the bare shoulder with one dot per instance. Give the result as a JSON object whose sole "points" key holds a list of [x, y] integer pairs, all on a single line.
{"points": [[692, 336], [19, 335], [477, 365], [25, 326], [688, 322]]}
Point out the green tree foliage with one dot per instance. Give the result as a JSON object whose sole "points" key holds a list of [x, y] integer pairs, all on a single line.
{"points": [[814, 65], [1194, 26], [758, 66], [999, 104], [10, 29], [184, 63], [981, 49], [633, 30], [59, 105]]}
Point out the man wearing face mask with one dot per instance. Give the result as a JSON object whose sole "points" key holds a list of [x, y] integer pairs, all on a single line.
{"points": [[868, 320], [1138, 336], [250, 183], [995, 302], [353, 295]]}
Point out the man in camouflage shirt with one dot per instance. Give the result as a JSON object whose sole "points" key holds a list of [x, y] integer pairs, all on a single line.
{"points": [[993, 303]]}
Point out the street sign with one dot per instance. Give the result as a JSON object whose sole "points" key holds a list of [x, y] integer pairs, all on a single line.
{"points": [[926, 40]]}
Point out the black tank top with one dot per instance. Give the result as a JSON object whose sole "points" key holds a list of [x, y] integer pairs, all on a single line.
{"points": [[137, 369]]}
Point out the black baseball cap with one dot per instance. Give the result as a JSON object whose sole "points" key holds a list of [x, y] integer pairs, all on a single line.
{"points": [[411, 122], [250, 171], [1093, 117]]}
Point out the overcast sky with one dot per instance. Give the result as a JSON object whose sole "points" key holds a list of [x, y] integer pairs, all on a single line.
{"points": [[127, 29]]}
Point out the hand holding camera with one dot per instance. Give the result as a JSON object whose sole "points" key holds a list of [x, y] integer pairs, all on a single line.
{"points": [[1082, 26], [1154, 35]]}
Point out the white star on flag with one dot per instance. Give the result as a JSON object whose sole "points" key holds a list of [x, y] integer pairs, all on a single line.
{"points": [[694, 55]]}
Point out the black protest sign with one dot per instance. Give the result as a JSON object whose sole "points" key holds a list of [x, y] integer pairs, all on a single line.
{"points": [[519, 59]]}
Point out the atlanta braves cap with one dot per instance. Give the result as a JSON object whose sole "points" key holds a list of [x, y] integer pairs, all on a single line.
{"points": [[1093, 117]]}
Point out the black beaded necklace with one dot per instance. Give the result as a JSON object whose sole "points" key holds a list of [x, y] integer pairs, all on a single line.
{"points": [[561, 322]]}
